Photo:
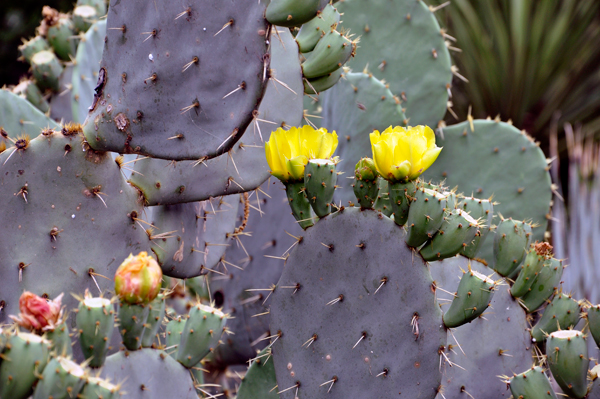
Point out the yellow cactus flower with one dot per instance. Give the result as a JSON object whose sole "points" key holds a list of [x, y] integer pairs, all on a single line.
{"points": [[404, 153], [288, 151]]}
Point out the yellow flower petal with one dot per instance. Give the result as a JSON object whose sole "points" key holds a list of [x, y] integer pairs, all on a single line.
{"points": [[295, 167]]}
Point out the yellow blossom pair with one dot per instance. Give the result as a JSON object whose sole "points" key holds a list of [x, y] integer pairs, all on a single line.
{"points": [[402, 154], [288, 151]]}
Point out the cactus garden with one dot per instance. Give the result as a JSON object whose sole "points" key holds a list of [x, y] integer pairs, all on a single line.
{"points": [[261, 200]]}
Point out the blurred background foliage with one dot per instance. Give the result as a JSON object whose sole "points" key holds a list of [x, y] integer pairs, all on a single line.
{"points": [[526, 61], [18, 19]]}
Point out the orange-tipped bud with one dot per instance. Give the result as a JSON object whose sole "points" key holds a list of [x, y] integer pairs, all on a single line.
{"points": [[138, 279]]}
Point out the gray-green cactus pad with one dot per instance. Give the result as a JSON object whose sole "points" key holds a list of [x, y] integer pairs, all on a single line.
{"points": [[19, 117], [85, 71], [149, 374], [402, 43], [60, 102], [259, 251], [197, 235], [175, 84], [496, 159], [358, 104], [260, 380], [343, 333], [65, 210], [497, 344], [244, 167]]}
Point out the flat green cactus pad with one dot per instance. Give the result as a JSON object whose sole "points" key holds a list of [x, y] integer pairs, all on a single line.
{"points": [[260, 380], [496, 343], [175, 84], [149, 374], [496, 160], [244, 167], [259, 250], [66, 211], [193, 237], [85, 71], [402, 43], [18, 117], [344, 332]]}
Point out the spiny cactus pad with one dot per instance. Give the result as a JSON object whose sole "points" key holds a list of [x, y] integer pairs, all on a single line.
{"points": [[18, 117], [244, 167], [62, 204], [497, 343], [407, 51], [85, 70], [500, 161], [354, 107], [335, 337], [149, 374], [259, 251], [175, 84], [260, 380], [193, 237]]}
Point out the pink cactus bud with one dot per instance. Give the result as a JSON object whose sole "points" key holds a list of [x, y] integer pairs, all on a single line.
{"points": [[37, 313], [138, 279]]}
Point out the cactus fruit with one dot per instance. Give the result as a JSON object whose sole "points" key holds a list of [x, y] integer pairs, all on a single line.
{"points": [[366, 187], [546, 283], [331, 52], [354, 349], [28, 90], [320, 178], [61, 37], [32, 46], [84, 17], [300, 204], [322, 83], [46, 69], [293, 12], [472, 298], [534, 261], [478, 209], [173, 333], [201, 334], [97, 388], [511, 241], [400, 196], [62, 379], [531, 384], [149, 374], [425, 216], [156, 313], [312, 31], [560, 314], [214, 78], [568, 360], [23, 359], [60, 340], [458, 230], [132, 320], [95, 324]]}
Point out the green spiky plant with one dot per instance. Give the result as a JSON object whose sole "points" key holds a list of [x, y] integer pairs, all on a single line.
{"points": [[67, 198]]}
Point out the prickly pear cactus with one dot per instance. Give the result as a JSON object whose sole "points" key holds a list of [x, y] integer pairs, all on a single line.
{"points": [[193, 237], [188, 85], [68, 215], [357, 105], [494, 344], [244, 167], [18, 117], [332, 336], [408, 51], [501, 162]]}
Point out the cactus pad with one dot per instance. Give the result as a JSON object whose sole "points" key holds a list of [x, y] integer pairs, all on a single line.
{"points": [[174, 84], [334, 337]]}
